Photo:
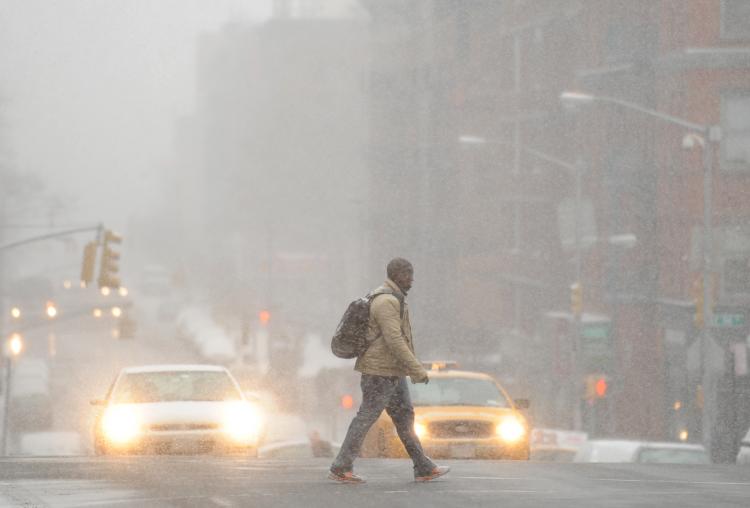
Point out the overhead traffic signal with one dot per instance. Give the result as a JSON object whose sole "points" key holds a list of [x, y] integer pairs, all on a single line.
{"points": [[89, 263], [576, 298], [108, 266]]}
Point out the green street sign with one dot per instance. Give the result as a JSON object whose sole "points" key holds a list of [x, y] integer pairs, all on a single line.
{"points": [[595, 331], [728, 320]]}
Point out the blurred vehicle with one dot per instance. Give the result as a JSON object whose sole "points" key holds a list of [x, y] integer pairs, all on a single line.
{"points": [[555, 445], [642, 452], [176, 409], [743, 455], [458, 414], [297, 449], [50, 444]]}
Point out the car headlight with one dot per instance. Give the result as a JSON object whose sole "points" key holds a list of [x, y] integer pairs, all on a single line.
{"points": [[420, 429], [120, 424], [511, 430], [242, 422]]}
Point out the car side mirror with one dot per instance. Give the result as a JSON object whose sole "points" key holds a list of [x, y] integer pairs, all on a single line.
{"points": [[97, 402], [522, 403]]}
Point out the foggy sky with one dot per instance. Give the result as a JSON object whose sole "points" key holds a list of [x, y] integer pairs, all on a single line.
{"points": [[90, 91]]}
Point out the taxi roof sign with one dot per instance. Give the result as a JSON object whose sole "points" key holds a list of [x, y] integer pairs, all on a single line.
{"points": [[440, 365]]}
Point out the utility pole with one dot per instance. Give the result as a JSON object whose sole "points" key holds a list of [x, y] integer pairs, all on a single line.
{"points": [[578, 309], [706, 339]]}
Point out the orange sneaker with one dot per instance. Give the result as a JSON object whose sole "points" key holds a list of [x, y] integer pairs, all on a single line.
{"points": [[435, 473], [344, 477]]}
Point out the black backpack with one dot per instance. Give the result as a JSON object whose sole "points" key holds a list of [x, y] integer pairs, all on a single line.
{"points": [[350, 339]]}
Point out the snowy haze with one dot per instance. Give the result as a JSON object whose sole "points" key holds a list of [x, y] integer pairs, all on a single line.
{"points": [[90, 92]]}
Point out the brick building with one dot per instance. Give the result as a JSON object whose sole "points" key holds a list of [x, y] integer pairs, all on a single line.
{"points": [[491, 220]]}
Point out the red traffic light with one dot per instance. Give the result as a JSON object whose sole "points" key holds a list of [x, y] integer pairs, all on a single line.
{"points": [[600, 388], [264, 316], [347, 401]]}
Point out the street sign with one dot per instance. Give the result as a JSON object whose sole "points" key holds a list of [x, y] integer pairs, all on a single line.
{"points": [[595, 331], [596, 345], [728, 320]]}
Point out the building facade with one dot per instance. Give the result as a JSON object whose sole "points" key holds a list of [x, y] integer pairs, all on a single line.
{"points": [[476, 164]]}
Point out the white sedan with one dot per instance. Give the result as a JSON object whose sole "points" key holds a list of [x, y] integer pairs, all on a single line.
{"points": [[643, 452], [176, 409]]}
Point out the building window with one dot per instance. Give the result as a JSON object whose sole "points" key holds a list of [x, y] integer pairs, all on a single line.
{"points": [[735, 145], [735, 19]]}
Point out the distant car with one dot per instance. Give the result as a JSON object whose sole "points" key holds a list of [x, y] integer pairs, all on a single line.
{"points": [[458, 414], [555, 445], [743, 456], [642, 452], [176, 409]]}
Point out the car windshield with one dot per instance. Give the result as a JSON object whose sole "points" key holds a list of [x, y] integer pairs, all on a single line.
{"points": [[672, 456], [458, 392], [175, 386]]}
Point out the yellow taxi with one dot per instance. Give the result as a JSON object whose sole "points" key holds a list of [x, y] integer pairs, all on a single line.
{"points": [[458, 414]]}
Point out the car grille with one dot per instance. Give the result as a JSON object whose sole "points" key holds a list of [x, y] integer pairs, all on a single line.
{"points": [[461, 429], [167, 427]]}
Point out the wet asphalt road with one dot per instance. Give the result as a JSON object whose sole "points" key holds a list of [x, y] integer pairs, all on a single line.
{"points": [[207, 481]]}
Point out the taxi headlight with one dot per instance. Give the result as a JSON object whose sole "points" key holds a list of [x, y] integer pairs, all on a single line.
{"points": [[511, 430], [420, 429], [242, 422], [120, 424]]}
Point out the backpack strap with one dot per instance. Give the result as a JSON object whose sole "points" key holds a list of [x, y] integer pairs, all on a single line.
{"points": [[400, 298]]}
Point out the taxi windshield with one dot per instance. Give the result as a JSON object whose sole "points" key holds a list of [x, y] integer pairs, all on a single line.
{"points": [[144, 387], [458, 392]]}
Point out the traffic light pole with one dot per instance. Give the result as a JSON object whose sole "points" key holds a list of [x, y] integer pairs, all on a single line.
{"points": [[706, 339], [48, 236], [6, 403], [577, 313]]}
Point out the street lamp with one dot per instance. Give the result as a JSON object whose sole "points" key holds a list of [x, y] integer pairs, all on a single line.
{"points": [[703, 135]]}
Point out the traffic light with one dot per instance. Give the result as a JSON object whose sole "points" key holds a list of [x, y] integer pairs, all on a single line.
{"points": [[600, 387], [89, 263], [347, 401], [264, 317], [697, 290], [108, 266], [597, 387], [576, 298]]}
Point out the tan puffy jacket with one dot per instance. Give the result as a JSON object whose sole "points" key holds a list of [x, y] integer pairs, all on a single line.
{"points": [[391, 351]]}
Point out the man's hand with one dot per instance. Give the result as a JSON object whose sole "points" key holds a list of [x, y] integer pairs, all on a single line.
{"points": [[420, 378]]}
